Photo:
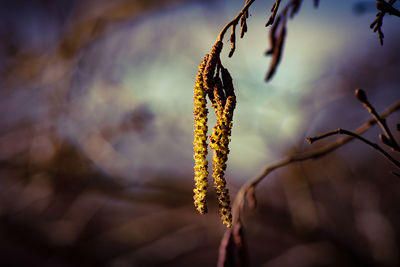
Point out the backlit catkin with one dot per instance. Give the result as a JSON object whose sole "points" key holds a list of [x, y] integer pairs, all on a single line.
{"points": [[223, 100], [208, 75], [219, 143], [200, 141], [220, 139], [219, 97]]}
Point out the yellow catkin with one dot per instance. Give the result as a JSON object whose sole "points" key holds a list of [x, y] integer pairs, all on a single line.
{"points": [[219, 97], [200, 141], [220, 139], [209, 70]]}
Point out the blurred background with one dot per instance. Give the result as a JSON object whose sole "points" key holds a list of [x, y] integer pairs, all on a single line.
{"points": [[96, 165]]}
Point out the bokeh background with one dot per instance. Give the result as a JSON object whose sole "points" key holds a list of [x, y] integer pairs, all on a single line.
{"points": [[96, 165]]}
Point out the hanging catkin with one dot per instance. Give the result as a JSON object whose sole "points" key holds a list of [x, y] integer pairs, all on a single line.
{"points": [[223, 100], [200, 141]]}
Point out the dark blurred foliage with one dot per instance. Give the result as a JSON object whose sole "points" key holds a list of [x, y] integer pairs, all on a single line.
{"points": [[361, 7], [59, 208]]}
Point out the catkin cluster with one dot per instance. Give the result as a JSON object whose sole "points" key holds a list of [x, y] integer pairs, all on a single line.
{"points": [[214, 81]]}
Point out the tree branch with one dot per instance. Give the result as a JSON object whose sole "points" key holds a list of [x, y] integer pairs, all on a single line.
{"points": [[235, 20], [376, 25], [359, 137], [391, 142], [315, 154], [387, 8]]}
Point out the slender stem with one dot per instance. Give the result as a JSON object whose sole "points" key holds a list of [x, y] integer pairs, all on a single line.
{"points": [[359, 137], [377, 23], [387, 8], [235, 20], [315, 154], [381, 121]]}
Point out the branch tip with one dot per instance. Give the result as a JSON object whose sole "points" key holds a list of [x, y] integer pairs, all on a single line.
{"points": [[361, 95]]}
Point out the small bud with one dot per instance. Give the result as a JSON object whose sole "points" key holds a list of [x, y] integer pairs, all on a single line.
{"points": [[385, 140], [274, 10], [361, 95], [242, 20], [233, 47], [232, 39], [244, 29]]}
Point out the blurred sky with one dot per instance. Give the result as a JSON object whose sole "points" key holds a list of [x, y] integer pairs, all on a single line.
{"points": [[147, 66]]}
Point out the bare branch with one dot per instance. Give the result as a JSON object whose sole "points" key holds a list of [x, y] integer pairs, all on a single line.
{"points": [[315, 154], [359, 137], [389, 139], [376, 25], [235, 20], [385, 7], [274, 10]]}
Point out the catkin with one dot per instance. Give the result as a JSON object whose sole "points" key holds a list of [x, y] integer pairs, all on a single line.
{"points": [[220, 139], [208, 75], [227, 80], [200, 141], [223, 100], [219, 97]]}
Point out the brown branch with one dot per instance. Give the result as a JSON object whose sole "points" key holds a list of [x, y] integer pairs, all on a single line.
{"points": [[376, 25], [314, 154], [274, 10], [387, 8], [277, 51], [234, 21], [232, 39], [277, 42], [233, 249], [389, 140], [359, 137]]}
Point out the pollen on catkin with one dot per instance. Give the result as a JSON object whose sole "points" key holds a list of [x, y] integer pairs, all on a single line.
{"points": [[223, 100], [200, 141], [220, 139], [219, 97], [208, 74]]}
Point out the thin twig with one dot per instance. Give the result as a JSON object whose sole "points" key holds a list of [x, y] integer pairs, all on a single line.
{"points": [[387, 8], [362, 97], [277, 41], [277, 51], [315, 154], [376, 25], [357, 136], [274, 11], [235, 20]]}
